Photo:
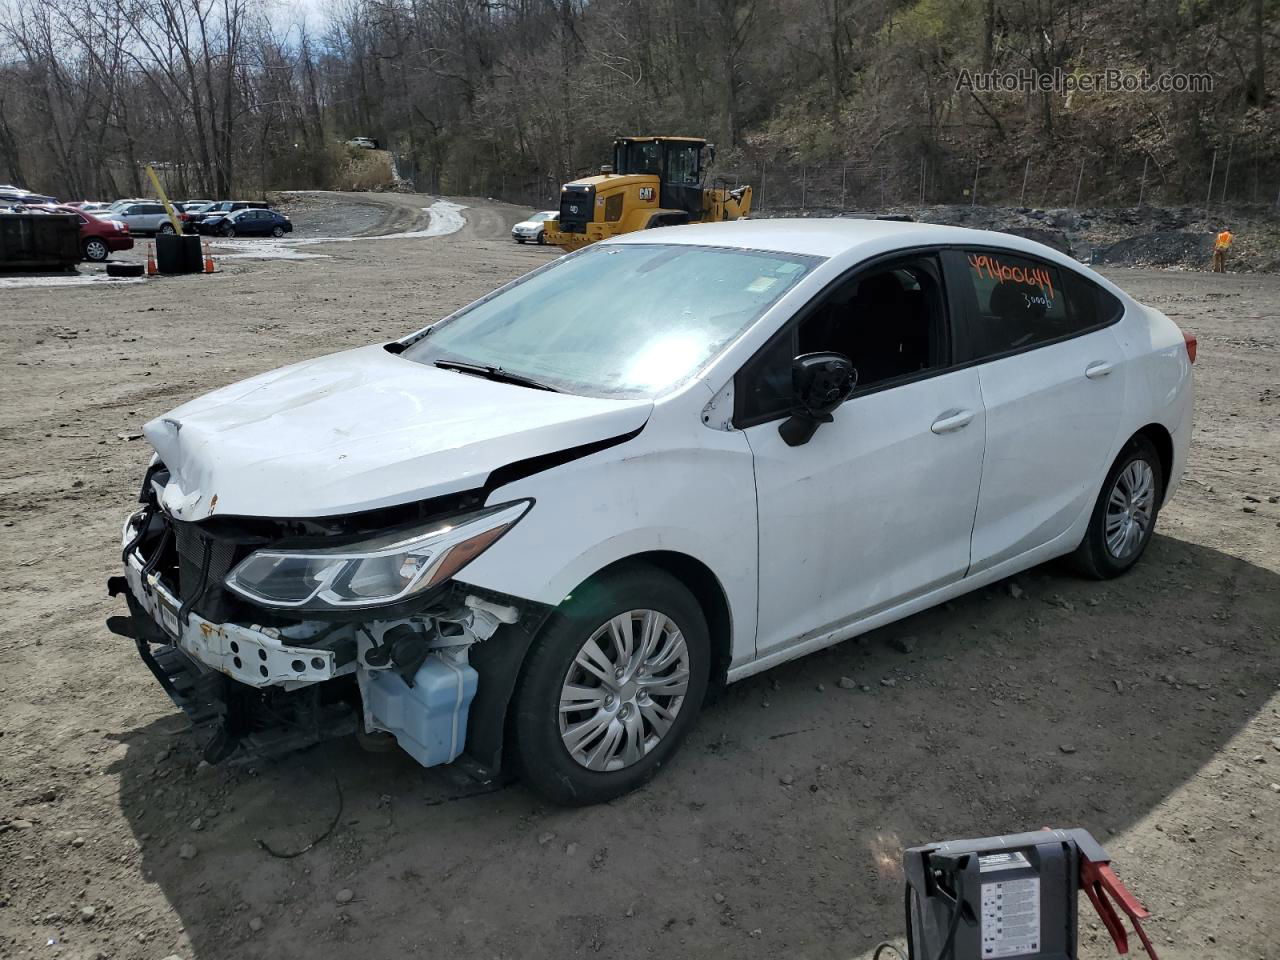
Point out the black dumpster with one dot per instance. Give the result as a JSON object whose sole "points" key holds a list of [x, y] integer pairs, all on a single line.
{"points": [[39, 241], [178, 254]]}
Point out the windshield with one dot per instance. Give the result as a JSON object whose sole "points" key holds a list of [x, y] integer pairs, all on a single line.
{"points": [[544, 215], [618, 320]]}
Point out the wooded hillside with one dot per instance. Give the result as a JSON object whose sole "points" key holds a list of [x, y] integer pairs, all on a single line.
{"points": [[818, 103]]}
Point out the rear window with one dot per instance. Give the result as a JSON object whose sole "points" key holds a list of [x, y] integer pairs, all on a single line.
{"points": [[1017, 302]]}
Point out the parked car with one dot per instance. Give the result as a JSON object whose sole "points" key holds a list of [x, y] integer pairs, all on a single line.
{"points": [[224, 207], [533, 228], [146, 216], [190, 206], [247, 223], [364, 143], [99, 236], [9, 194], [663, 463]]}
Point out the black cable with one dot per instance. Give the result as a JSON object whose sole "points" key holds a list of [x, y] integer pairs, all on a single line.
{"points": [[906, 908], [949, 945]]}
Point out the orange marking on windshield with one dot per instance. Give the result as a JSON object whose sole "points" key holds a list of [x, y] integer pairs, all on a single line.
{"points": [[1000, 272]]}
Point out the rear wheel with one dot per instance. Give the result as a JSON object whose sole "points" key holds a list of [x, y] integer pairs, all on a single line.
{"points": [[1124, 515], [611, 687], [95, 250]]}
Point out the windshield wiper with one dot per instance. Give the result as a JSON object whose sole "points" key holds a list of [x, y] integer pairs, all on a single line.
{"points": [[496, 374]]}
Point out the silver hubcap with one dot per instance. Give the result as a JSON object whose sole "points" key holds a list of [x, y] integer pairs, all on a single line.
{"points": [[623, 690], [97, 250], [1129, 509]]}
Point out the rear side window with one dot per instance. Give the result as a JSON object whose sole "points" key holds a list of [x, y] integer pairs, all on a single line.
{"points": [[1015, 303]]}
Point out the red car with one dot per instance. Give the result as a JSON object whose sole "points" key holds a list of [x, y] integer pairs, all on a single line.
{"points": [[99, 236]]}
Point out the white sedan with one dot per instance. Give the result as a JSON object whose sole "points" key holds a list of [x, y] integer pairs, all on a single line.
{"points": [[533, 229], [537, 532]]}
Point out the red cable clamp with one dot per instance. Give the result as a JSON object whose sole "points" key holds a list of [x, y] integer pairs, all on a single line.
{"points": [[1100, 882]]}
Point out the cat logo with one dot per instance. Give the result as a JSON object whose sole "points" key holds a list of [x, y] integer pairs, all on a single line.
{"points": [[573, 208], [646, 193]]}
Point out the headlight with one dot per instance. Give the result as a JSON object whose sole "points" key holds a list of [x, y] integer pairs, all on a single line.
{"points": [[377, 572]]}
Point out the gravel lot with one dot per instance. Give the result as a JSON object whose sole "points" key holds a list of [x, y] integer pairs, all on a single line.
{"points": [[1145, 709]]}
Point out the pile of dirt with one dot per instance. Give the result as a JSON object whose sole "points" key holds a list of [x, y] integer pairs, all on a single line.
{"points": [[1177, 248], [1129, 236]]}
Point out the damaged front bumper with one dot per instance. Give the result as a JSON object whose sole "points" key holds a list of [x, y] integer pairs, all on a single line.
{"points": [[273, 687], [252, 655]]}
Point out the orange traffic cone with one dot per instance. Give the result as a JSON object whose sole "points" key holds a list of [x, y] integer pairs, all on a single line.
{"points": [[151, 262], [208, 258]]}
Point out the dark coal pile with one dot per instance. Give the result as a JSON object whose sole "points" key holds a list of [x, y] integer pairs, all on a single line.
{"points": [[1176, 248]]}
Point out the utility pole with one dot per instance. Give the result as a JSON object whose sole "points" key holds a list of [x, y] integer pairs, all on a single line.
{"points": [[1142, 184], [844, 172], [1226, 174], [1026, 172], [1075, 200], [1213, 165], [973, 196]]}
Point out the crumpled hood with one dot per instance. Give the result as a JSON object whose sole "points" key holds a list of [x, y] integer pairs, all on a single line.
{"points": [[359, 430]]}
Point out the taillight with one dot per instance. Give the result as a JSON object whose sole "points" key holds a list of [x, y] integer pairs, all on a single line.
{"points": [[1190, 340]]}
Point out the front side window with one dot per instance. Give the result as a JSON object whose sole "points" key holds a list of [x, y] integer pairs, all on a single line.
{"points": [[621, 320], [613, 208], [1017, 302], [889, 320], [682, 165]]}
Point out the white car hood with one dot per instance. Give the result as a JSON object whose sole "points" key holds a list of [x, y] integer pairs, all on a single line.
{"points": [[363, 429]]}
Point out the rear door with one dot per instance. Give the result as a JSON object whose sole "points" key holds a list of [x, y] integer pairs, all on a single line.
{"points": [[1052, 373], [152, 216], [876, 508]]}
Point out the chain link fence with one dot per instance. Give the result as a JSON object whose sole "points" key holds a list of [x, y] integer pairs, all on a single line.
{"points": [[1231, 176]]}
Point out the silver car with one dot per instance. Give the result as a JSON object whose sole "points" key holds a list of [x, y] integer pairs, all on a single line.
{"points": [[532, 228], [142, 216]]}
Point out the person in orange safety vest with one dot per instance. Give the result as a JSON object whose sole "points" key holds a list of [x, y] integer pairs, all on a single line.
{"points": [[1220, 247]]}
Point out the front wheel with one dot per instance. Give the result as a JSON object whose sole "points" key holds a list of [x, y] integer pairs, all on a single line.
{"points": [[228, 232], [542, 238], [1124, 515], [611, 687], [165, 228], [277, 232]]}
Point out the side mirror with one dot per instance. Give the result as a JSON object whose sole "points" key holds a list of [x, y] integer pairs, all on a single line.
{"points": [[820, 382]]}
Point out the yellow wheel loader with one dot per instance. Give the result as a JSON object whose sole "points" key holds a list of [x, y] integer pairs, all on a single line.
{"points": [[653, 182]]}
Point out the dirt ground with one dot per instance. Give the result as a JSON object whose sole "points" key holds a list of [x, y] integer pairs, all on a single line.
{"points": [[1145, 709]]}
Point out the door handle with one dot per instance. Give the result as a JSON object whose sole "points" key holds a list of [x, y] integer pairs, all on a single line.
{"points": [[1099, 369], [952, 421]]}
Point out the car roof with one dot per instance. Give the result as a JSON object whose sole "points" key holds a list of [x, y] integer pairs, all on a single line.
{"points": [[832, 236]]}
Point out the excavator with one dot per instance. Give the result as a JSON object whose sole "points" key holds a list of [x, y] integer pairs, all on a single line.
{"points": [[652, 182]]}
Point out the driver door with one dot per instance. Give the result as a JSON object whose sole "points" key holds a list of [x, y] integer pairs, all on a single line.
{"points": [[877, 507]]}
